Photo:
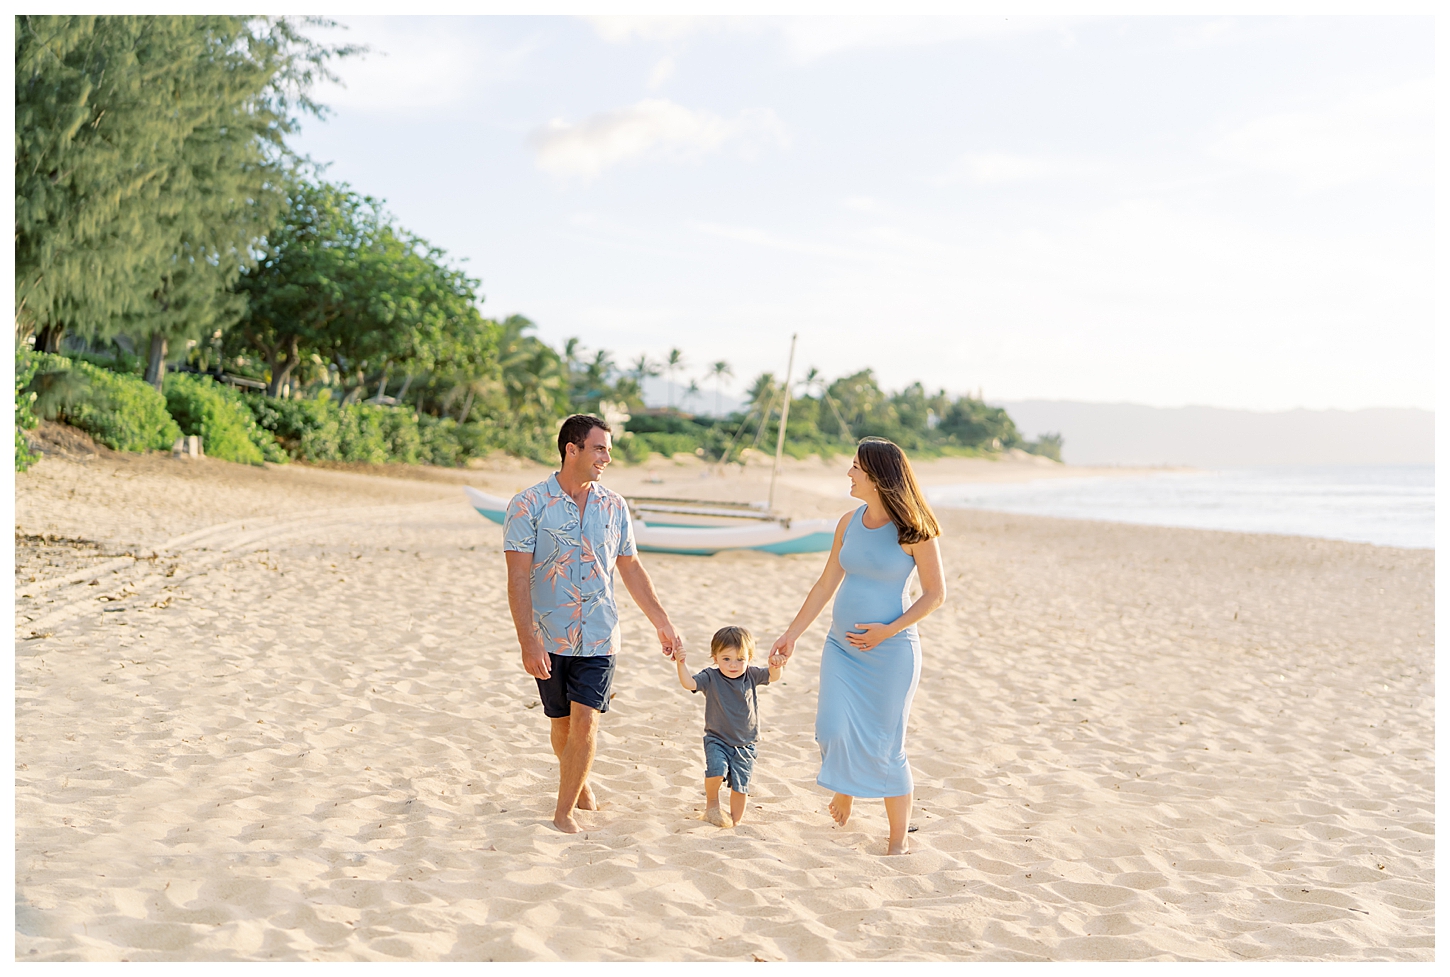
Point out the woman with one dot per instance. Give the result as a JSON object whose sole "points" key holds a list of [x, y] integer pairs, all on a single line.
{"points": [[872, 659]]}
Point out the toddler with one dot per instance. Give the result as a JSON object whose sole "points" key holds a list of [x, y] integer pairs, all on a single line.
{"points": [[731, 716]]}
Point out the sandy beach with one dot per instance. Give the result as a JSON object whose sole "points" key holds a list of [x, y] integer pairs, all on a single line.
{"points": [[278, 714]]}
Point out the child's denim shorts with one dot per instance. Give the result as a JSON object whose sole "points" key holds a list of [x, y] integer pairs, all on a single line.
{"points": [[734, 763]]}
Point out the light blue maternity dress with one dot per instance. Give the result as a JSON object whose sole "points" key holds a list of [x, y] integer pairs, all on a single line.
{"points": [[865, 696]]}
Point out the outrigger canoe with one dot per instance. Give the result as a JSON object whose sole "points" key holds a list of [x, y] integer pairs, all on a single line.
{"points": [[780, 535]]}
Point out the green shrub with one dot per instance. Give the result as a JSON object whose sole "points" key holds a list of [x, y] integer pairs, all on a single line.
{"points": [[122, 412], [25, 367], [220, 415], [439, 442], [1046, 445], [631, 448], [321, 430], [666, 444], [399, 427], [304, 429], [360, 434]]}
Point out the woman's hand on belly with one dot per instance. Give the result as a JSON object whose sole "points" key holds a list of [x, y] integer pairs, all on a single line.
{"points": [[868, 636]]}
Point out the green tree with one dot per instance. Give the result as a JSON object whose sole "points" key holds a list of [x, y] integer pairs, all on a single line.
{"points": [[643, 368], [720, 370], [534, 379], [866, 410], [147, 151], [590, 379], [339, 281], [974, 424], [673, 364]]}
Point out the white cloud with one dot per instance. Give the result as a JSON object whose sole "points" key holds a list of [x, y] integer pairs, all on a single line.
{"points": [[756, 237], [663, 70], [1363, 137], [655, 127], [1004, 168], [810, 37], [622, 29], [415, 62], [816, 37]]}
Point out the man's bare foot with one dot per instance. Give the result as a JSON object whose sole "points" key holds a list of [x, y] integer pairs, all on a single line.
{"points": [[567, 824], [719, 820], [840, 808], [586, 800], [898, 848]]}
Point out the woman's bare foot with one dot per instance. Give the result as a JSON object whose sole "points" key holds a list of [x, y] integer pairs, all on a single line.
{"points": [[586, 800], [567, 824], [713, 815], [898, 847], [840, 808]]}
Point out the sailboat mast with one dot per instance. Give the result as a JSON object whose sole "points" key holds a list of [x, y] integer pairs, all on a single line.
{"points": [[784, 416]]}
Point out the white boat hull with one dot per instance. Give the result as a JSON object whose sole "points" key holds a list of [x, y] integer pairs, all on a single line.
{"points": [[800, 536]]}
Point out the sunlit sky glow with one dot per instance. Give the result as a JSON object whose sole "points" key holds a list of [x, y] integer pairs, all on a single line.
{"points": [[1225, 211]]}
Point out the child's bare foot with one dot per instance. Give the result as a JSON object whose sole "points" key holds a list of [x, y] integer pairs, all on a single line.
{"points": [[713, 815], [898, 848], [567, 824], [840, 808], [586, 800]]}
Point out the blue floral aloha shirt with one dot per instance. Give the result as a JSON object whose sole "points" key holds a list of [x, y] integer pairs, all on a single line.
{"points": [[572, 581]]}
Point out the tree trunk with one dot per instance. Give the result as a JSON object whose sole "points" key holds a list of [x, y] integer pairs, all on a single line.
{"points": [[48, 339], [407, 382], [283, 362], [467, 406], [156, 365], [382, 389]]}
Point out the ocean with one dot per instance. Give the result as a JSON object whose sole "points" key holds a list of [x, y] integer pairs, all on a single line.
{"points": [[1390, 505]]}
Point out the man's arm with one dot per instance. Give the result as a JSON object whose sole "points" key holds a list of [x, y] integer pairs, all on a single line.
{"points": [[642, 589], [521, 606]]}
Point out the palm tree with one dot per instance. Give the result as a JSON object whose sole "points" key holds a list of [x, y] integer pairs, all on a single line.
{"points": [[642, 368], [573, 352], [719, 370], [817, 380], [693, 390], [674, 363]]}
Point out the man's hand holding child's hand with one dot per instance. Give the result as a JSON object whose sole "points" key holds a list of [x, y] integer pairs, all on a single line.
{"points": [[776, 660]]}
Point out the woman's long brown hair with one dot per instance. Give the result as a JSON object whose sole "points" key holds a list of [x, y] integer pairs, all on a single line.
{"points": [[890, 471]]}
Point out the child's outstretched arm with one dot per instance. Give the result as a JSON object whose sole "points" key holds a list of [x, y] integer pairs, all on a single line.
{"points": [[685, 679], [776, 664]]}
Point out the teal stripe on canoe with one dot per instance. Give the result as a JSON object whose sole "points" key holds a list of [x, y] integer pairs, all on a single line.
{"points": [[814, 543]]}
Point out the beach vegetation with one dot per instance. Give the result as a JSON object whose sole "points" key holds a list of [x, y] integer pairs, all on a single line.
{"points": [[122, 412], [149, 152], [220, 415], [25, 417]]}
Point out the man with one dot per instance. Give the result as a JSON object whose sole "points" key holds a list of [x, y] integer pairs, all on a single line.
{"points": [[563, 539]]}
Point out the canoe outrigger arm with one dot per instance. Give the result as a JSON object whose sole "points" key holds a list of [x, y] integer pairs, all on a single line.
{"points": [[769, 534]]}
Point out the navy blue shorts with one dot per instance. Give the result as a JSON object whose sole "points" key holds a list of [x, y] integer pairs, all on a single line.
{"points": [[575, 678], [734, 763]]}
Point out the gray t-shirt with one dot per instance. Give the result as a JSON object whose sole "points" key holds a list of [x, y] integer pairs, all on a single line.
{"points": [[731, 712]]}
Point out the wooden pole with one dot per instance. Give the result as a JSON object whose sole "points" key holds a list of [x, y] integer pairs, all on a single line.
{"points": [[784, 416]]}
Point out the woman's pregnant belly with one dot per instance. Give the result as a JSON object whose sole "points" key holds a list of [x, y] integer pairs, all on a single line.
{"points": [[862, 600]]}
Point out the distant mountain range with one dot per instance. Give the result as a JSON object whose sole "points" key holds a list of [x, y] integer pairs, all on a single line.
{"points": [[1206, 437]]}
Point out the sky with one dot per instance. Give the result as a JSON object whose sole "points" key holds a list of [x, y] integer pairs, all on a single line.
{"points": [[1232, 212]]}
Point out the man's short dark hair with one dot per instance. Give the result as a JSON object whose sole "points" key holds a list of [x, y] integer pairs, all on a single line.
{"points": [[575, 430]]}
